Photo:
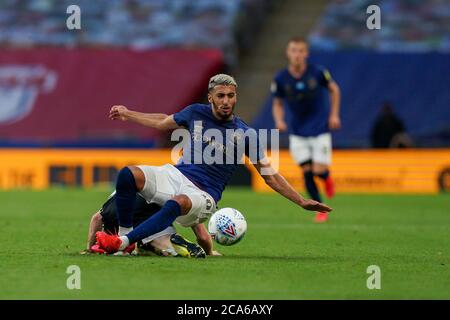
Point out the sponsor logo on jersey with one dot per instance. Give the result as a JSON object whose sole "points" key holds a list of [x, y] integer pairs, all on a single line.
{"points": [[300, 85]]}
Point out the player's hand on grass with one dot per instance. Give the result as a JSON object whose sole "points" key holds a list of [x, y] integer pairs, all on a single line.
{"points": [[314, 205], [96, 249], [334, 122], [118, 112], [215, 253]]}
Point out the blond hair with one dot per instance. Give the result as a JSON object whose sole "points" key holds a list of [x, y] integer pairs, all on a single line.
{"points": [[221, 79]]}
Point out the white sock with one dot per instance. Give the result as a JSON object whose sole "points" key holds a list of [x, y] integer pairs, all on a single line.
{"points": [[124, 231], [125, 242]]}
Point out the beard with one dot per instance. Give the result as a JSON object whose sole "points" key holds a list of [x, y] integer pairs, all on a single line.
{"points": [[221, 114]]}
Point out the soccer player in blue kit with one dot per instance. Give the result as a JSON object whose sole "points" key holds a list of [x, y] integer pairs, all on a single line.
{"points": [[301, 87], [189, 191]]}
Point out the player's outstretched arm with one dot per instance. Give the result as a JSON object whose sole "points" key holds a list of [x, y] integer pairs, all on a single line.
{"points": [[158, 121], [94, 226], [278, 183]]}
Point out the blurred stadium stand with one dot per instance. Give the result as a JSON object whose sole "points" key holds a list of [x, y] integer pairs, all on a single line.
{"points": [[257, 67], [55, 97], [139, 24], [127, 51], [57, 85], [407, 63], [407, 26], [416, 84]]}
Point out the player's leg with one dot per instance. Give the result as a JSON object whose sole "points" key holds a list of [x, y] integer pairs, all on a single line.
{"points": [[321, 159], [322, 150], [188, 210], [301, 151], [160, 246], [141, 212], [310, 183], [203, 206], [172, 245], [165, 243], [158, 243], [323, 172], [130, 181], [181, 201], [173, 208], [163, 185]]}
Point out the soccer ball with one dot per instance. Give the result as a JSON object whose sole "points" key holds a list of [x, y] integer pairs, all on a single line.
{"points": [[227, 226]]}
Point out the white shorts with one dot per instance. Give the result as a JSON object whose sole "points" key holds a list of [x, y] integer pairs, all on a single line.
{"points": [[316, 149], [164, 182]]}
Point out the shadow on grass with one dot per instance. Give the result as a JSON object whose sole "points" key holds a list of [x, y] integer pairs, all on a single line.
{"points": [[275, 258], [218, 258]]}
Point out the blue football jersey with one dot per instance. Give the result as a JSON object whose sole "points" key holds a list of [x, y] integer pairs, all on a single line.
{"points": [[306, 99], [224, 144]]}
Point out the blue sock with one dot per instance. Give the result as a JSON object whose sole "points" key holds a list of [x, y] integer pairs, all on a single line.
{"points": [[324, 175], [125, 197], [157, 222], [311, 186]]}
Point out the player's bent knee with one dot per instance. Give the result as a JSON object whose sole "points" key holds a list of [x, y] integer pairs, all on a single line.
{"points": [[184, 202], [139, 177], [319, 168], [306, 165], [125, 180]]}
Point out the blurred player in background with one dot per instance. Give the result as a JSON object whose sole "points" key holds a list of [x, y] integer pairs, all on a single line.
{"points": [[301, 87], [164, 243]]}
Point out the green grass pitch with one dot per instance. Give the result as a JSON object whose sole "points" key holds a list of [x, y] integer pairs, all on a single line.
{"points": [[284, 255]]}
